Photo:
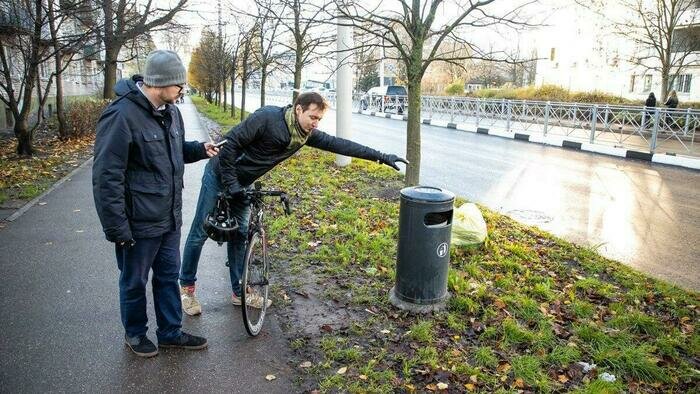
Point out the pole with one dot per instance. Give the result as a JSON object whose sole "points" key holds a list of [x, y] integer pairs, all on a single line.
{"points": [[343, 84]]}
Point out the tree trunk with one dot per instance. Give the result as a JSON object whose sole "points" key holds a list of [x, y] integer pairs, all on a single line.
{"points": [[233, 97], [244, 82], [297, 81], [413, 133], [60, 112], [111, 58], [263, 81], [24, 138], [224, 92], [664, 84]]}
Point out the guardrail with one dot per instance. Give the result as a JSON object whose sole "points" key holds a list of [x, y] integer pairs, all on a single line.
{"points": [[632, 127]]}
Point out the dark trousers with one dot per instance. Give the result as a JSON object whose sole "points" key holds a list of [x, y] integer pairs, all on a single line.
{"points": [[162, 255]]}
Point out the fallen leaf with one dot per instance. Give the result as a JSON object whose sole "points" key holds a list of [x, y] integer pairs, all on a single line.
{"points": [[519, 383], [470, 386], [431, 387], [562, 379], [342, 370], [305, 364], [270, 377], [363, 377], [326, 328], [499, 303], [503, 367], [442, 386]]}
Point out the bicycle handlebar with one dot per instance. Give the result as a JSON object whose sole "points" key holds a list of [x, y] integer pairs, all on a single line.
{"points": [[259, 194]]}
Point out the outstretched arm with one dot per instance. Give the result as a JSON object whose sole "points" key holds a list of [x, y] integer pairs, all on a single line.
{"points": [[319, 139]]}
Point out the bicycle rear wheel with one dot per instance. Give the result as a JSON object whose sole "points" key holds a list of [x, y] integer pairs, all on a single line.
{"points": [[255, 284]]}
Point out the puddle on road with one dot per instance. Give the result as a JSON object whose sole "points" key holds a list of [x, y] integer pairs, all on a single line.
{"points": [[529, 216]]}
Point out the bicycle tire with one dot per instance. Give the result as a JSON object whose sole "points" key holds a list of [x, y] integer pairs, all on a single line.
{"points": [[255, 280]]}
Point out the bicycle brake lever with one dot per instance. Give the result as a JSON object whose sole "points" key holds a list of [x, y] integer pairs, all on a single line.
{"points": [[285, 202]]}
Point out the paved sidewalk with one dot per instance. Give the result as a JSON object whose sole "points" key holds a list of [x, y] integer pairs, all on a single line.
{"points": [[60, 310]]}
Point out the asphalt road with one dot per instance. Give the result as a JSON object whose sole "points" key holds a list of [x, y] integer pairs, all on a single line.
{"points": [[60, 326], [642, 214]]}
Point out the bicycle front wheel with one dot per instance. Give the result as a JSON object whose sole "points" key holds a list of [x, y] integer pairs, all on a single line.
{"points": [[255, 285]]}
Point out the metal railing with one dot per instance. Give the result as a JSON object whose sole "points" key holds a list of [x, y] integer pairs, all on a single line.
{"points": [[655, 130]]}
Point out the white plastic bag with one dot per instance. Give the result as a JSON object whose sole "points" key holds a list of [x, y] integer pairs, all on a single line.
{"points": [[468, 226]]}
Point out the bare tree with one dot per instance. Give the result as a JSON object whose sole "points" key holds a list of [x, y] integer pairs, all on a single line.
{"points": [[664, 43], [269, 54], [233, 57], [366, 75], [127, 21], [177, 38], [411, 30], [247, 63], [308, 35], [28, 40]]}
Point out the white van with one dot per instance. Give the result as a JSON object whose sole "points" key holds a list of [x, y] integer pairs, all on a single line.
{"points": [[384, 98]]}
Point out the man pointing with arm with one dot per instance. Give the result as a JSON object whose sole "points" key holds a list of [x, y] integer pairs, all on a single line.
{"points": [[266, 138]]}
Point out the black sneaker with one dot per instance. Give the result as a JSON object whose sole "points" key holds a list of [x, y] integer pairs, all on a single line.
{"points": [[141, 346], [185, 341]]}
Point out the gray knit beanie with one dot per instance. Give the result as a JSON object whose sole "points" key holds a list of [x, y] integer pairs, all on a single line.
{"points": [[164, 68]]}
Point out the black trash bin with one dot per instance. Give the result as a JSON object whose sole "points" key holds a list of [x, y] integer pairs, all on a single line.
{"points": [[425, 226]]}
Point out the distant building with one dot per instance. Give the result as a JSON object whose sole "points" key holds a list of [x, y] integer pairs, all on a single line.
{"points": [[599, 59]]}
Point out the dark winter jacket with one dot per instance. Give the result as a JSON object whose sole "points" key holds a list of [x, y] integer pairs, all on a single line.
{"points": [[140, 156], [651, 101], [260, 142], [671, 102]]}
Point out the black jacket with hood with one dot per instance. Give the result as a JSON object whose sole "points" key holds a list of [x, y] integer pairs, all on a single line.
{"points": [[140, 156], [261, 141]]}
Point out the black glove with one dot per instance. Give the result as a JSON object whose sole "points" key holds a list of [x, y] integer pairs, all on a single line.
{"points": [[236, 194], [126, 244], [391, 160]]}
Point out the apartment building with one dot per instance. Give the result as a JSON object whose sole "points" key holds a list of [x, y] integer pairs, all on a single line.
{"points": [[581, 50]]}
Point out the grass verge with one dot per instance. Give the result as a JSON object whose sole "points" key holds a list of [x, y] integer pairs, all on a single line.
{"points": [[528, 309]]}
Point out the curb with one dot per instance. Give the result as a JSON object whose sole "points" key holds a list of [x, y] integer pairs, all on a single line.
{"points": [[53, 187], [558, 141]]}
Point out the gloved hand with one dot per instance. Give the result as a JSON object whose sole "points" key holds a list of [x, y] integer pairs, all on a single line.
{"points": [[126, 244], [236, 194], [391, 160]]}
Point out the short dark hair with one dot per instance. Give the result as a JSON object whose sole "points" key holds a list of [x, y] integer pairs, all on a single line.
{"points": [[308, 98]]}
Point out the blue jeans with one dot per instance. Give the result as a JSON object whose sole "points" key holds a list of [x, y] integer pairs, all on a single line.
{"points": [[162, 254], [211, 186]]}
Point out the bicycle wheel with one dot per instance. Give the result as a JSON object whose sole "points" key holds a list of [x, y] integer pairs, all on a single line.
{"points": [[255, 284]]}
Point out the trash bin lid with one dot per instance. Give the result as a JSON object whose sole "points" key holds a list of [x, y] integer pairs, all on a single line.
{"points": [[427, 193]]}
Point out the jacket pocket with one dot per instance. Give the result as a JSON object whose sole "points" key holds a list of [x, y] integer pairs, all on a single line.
{"points": [[154, 144], [149, 202]]}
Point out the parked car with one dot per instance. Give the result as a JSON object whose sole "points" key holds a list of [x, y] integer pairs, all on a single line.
{"points": [[388, 97]]}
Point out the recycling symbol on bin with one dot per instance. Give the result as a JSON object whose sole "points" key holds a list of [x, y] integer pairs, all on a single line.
{"points": [[442, 249]]}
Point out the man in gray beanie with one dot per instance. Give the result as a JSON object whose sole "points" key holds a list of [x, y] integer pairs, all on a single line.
{"points": [[137, 178]]}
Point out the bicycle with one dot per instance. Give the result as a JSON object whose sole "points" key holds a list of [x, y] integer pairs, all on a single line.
{"points": [[255, 276]]}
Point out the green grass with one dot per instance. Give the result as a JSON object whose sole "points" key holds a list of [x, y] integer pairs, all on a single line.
{"points": [[526, 305], [216, 113], [422, 331], [484, 357]]}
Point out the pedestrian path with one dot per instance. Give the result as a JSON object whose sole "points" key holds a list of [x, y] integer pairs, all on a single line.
{"points": [[61, 329]]}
